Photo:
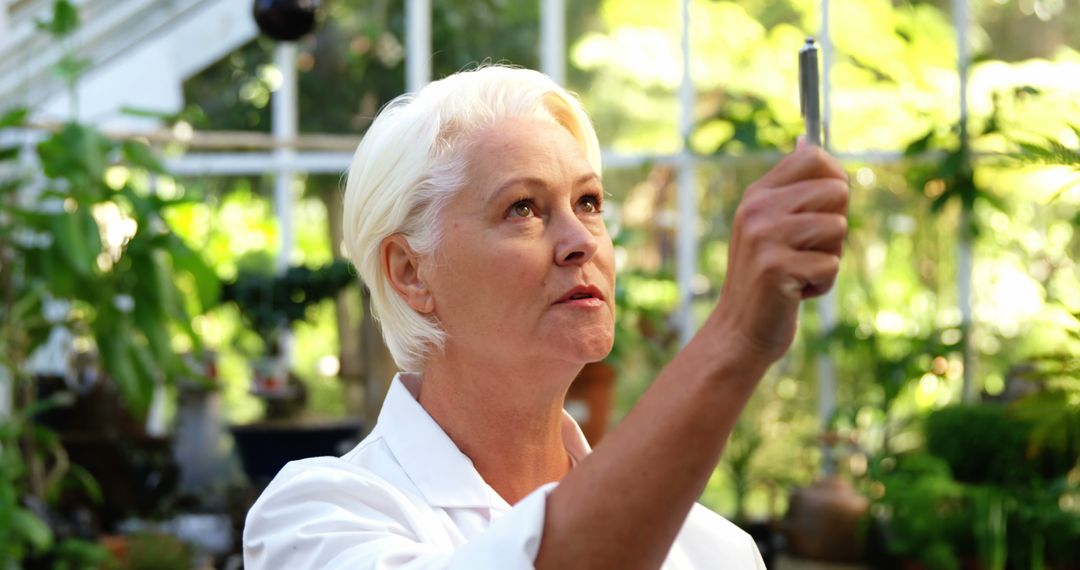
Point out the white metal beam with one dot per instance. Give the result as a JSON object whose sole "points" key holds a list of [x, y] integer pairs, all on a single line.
{"points": [[3, 23], [284, 125], [328, 162], [553, 39], [417, 44], [964, 256], [686, 238]]}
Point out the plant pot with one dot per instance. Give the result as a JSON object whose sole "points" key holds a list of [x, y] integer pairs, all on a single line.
{"points": [[135, 474], [824, 521], [265, 447], [769, 542], [590, 399]]}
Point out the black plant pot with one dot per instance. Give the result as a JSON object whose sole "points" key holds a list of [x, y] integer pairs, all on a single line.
{"points": [[770, 543], [266, 447]]}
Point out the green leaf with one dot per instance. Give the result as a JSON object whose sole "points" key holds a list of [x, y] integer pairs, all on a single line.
{"points": [[9, 153], [14, 118], [76, 235], [149, 113], [148, 372], [70, 67], [31, 529], [919, 145], [152, 322], [65, 19], [87, 482], [207, 283], [79, 154], [53, 402], [140, 155], [113, 337]]}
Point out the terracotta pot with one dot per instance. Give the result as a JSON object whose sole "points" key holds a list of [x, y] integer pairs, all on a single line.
{"points": [[825, 520], [116, 544], [591, 398]]}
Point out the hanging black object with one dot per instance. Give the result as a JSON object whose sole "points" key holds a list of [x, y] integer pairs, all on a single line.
{"points": [[285, 20]]}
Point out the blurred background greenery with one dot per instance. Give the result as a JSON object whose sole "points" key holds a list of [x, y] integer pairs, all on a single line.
{"points": [[900, 432]]}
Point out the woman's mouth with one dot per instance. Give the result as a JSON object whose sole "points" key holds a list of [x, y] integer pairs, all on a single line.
{"points": [[582, 296]]}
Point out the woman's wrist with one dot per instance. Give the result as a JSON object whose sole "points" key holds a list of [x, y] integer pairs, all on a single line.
{"points": [[726, 358]]}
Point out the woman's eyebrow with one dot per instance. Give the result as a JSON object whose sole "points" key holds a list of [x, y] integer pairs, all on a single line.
{"points": [[532, 181], [539, 182], [585, 179]]}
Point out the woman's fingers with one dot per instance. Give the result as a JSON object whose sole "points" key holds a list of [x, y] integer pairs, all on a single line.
{"points": [[786, 243], [815, 195], [805, 163], [815, 271], [815, 232]]}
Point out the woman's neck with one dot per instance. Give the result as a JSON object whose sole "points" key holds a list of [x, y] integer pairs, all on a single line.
{"points": [[506, 417]]}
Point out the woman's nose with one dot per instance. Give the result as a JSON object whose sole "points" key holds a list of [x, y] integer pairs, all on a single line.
{"points": [[576, 244]]}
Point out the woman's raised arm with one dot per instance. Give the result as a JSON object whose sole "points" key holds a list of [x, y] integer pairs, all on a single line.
{"points": [[623, 506]]}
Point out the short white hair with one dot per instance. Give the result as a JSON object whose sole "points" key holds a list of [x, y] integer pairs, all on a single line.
{"points": [[413, 159]]}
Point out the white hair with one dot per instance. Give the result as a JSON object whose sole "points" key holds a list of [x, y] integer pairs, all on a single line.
{"points": [[410, 163]]}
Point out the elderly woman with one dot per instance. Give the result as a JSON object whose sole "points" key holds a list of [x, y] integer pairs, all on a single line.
{"points": [[473, 212]]}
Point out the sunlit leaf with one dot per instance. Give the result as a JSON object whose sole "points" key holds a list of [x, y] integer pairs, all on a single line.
{"points": [[920, 145], [79, 154], [31, 529], [77, 236], [207, 283], [140, 155]]}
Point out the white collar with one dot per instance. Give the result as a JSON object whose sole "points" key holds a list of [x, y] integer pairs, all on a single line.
{"points": [[443, 474]]}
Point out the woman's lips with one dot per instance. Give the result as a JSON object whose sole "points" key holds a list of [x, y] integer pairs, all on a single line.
{"points": [[584, 295], [585, 303]]}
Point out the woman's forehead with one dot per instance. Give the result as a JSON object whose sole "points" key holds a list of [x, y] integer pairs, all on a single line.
{"points": [[527, 152]]}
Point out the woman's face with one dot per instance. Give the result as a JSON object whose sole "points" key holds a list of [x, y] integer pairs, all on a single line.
{"points": [[525, 271]]}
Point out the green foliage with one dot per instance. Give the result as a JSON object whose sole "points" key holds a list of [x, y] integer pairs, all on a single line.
{"points": [[269, 302], [924, 510], [981, 444], [31, 457], [1053, 411], [102, 254], [738, 459], [74, 554], [984, 444], [64, 21], [127, 289]]}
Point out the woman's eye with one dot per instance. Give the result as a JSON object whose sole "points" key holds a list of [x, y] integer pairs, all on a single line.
{"points": [[590, 205], [521, 209]]}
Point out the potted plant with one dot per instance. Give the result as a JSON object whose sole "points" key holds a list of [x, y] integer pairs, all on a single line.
{"points": [[270, 304]]}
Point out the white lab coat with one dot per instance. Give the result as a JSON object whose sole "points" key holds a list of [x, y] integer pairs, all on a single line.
{"points": [[407, 499]]}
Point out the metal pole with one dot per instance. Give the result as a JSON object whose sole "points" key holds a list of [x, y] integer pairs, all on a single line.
{"points": [[553, 39], [284, 125], [3, 23], [417, 44], [686, 244], [827, 309], [964, 259]]}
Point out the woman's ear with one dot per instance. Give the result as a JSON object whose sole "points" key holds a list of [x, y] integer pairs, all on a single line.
{"points": [[402, 266]]}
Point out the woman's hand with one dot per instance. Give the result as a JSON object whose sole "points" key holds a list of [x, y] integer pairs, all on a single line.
{"points": [[785, 246]]}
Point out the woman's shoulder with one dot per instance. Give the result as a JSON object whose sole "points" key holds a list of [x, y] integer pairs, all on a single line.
{"points": [[370, 466], [365, 484]]}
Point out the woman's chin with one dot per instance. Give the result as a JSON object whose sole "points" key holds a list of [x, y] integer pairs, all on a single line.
{"points": [[584, 350]]}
